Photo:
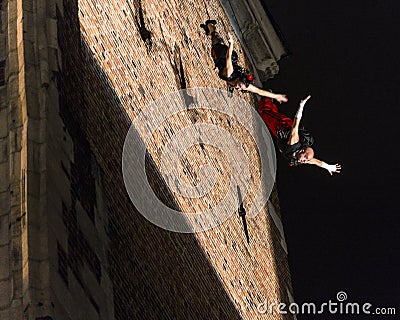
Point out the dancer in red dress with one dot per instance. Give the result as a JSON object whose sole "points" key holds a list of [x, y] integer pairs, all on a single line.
{"points": [[293, 142]]}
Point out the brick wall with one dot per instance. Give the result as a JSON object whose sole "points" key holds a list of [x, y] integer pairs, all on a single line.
{"points": [[108, 61], [119, 57]]}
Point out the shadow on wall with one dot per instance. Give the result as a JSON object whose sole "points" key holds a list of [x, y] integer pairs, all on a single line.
{"points": [[277, 240], [278, 243], [156, 274]]}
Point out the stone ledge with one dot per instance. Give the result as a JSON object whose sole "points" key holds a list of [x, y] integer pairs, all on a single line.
{"points": [[257, 36]]}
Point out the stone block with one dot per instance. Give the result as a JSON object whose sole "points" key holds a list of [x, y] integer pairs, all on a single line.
{"points": [[15, 140], [4, 314], [52, 36], [15, 158], [37, 239], [3, 25], [3, 122], [13, 83], [54, 61], [2, 44], [36, 156], [63, 302], [38, 273], [3, 150], [58, 231], [86, 310], [3, 97], [30, 56], [4, 176], [28, 7], [36, 130], [29, 27], [4, 203], [34, 183], [5, 262], [12, 42], [51, 9], [33, 94], [5, 295], [16, 310], [4, 230]]}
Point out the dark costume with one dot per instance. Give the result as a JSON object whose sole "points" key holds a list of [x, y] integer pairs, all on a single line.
{"points": [[218, 53], [280, 126]]}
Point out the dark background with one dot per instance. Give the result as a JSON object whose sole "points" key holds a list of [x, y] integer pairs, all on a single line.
{"points": [[343, 231]]}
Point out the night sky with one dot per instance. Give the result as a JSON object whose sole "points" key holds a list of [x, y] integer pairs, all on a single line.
{"points": [[343, 231]]}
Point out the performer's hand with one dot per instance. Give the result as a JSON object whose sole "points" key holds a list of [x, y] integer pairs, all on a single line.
{"points": [[333, 168], [281, 98], [230, 39], [303, 102]]}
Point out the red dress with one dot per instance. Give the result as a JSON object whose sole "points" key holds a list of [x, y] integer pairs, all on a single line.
{"points": [[273, 119], [280, 126]]}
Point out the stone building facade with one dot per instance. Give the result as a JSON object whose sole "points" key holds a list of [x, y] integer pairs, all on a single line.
{"points": [[73, 75]]}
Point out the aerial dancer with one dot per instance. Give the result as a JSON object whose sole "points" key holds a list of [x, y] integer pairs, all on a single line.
{"points": [[226, 60], [293, 142]]}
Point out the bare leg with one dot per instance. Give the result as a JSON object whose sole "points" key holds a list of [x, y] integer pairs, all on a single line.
{"points": [[215, 36], [211, 27]]}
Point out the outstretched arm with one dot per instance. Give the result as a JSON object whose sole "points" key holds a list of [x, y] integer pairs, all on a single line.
{"points": [[294, 134], [229, 65], [331, 168], [278, 97]]}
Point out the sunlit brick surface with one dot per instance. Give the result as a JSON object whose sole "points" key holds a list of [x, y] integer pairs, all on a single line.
{"points": [[135, 53], [114, 58]]}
